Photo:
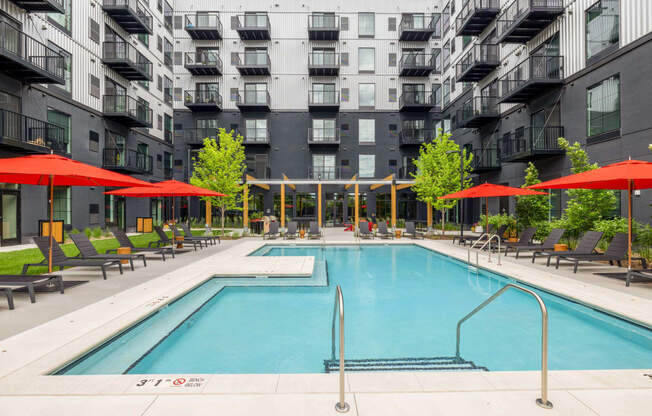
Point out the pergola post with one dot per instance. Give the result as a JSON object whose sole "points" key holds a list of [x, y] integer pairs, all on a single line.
{"points": [[357, 206], [393, 191], [245, 207], [429, 215], [319, 204], [282, 205]]}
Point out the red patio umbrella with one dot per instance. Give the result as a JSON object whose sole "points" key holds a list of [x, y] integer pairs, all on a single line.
{"points": [[487, 190], [630, 175], [54, 170]]}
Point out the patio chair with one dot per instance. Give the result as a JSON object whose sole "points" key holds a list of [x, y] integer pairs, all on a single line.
{"points": [[189, 237], [291, 232], [124, 241], [314, 231], [524, 240], [382, 230], [549, 243], [11, 282], [164, 240], [616, 252], [363, 231], [473, 239], [586, 245], [411, 230], [88, 251], [210, 237], [60, 260], [273, 231], [644, 274]]}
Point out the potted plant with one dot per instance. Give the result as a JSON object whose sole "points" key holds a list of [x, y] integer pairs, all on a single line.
{"points": [[512, 230]]}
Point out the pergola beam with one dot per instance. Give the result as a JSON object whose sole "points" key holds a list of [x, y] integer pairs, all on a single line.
{"points": [[346, 187], [383, 182], [291, 185], [253, 181]]}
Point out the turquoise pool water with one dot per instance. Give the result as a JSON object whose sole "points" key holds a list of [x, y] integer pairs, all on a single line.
{"points": [[401, 301]]}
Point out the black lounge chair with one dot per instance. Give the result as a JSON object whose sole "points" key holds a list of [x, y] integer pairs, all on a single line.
{"points": [[382, 230], [210, 237], [11, 282], [411, 230], [60, 260], [473, 239], [124, 241], [363, 230], [586, 245], [291, 231], [273, 232], [616, 252], [523, 241], [549, 244], [164, 240], [189, 237], [314, 231], [644, 274], [88, 251]]}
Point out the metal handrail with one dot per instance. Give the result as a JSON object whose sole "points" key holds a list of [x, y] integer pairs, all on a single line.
{"points": [[491, 237], [543, 400], [341, 406]]}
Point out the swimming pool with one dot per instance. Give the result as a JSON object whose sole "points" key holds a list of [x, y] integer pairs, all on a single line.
{"points": [[402, 305]]}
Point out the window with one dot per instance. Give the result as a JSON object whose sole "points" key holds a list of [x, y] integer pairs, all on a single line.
{"points": [[466, 40], [366, 25], [447, 92], [255, 93], [344, 23], [344, 58], [446, 55], [323, 94], [323, 167], [366, 130], [603, 107], [63, 20], [602, 27], [67, 62], [391, 24], [167, 54], [93, 30], [159, 43], [256, 130], [323, 130], [159, 122], [144, 39], [61, 208], [95, 85], [367, 166], [366, 59], [167, 90], [167, 123], [392, 95], [61, 120], [345, 95], [93, 141], [366, 95], [391, 59]]}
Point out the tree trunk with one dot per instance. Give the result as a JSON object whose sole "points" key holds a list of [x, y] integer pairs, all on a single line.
{"points": [[223, 209], [443, 221]]}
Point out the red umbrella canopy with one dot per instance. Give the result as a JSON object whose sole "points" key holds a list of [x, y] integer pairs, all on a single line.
{"points": [[165, 188], [614, 176], [488, 190], [37, 170]]}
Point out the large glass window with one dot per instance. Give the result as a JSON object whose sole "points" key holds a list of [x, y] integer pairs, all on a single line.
{"points": [[63, 20], [61, 209], [323, 167], [323, 93], [256, 130], [603, 106], [306, 205], [367, 130], [366, 59], [367, 166], [61, 120], [602, 27], [366, 95], [366, 24], [67, 67], [323, 130]]}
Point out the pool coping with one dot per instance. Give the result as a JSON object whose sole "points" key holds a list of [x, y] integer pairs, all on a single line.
{"points": [[25, 358]]}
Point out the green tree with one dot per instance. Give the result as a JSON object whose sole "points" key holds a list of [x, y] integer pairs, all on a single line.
{"points": [[535, 208], [438, 172], [219, 166], [585, 206]]}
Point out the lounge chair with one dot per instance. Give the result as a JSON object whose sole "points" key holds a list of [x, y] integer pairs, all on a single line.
{"points": [[189, 237], [524, 240], [645, 274], [473, 239], [411, 230], [11, 282], [210, 237], [616, 252], [60, 260], [382, 230], [164, 240], [124, 241], [291, 231], [314, 231], [549, 244], [88, 251], [273, 232], [363, 230], [586, 245]]}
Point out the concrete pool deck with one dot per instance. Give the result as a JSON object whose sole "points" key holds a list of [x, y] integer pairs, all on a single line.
{"points": [[25, 357]]}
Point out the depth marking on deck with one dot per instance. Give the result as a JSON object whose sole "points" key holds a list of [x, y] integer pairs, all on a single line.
{"points": [[178, 382]]}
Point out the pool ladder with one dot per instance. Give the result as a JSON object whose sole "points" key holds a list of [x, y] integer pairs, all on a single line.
{"points": [[488, 242], [543, 400], [341, 406]]}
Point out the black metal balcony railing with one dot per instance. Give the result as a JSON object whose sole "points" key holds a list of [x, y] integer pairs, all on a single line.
{"points": [[324, 98], [196, 136], [477, 63], [485, 159], [531, 143], [532, 76], [478, 111], [253, 63], [203, 26], [323, 60], [41, 6], [17, 129], [522, 20], [406, 172], [254, 26], [253, 98], [127, 160], [416, 100], [411, 136], [475, 16], [323, 27], [127, 61], [255, 135], [416, 28], [416, 64], [329, 173], [132, 112], [132, 15], [203, 63], [210, 99], [27, 59], [322, 135]]}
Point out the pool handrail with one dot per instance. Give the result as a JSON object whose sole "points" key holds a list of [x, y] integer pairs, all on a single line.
{"points": [[341, 406], [491, 237], [543, 400]]}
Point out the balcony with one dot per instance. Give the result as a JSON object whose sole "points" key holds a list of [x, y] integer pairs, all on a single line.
{"points": [[325, 173], [415, 101], [323, 27], [253, 101], [531, 143], [253, 63], [522, 20], [416, 28], [253, 26], [28, 60], [203, 63], [477, 112], [531, 78], [127, 111], [202, 100], [485, 160], [131, 15], [128, 161], [196, 136], [475, 16], [30, 135], [124, 59], [406, 172], [480, 61], [255, 136], [41, 6], [323, 64], [414, 137], [203, 26], [323, 100], [416, 65], [324, 137]]}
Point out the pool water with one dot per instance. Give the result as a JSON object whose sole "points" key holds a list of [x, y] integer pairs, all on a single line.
{"points": [[401, 301]]}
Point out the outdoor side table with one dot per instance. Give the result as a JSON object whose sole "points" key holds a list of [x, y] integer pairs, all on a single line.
{"points": [[124, 250], [179, 240], [561, 247]]}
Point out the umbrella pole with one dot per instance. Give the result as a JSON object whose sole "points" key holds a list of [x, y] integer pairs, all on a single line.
{"points": [[629, 225], [51, 230], [486, 214]]}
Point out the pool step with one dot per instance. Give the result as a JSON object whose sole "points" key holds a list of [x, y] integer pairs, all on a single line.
{"points": [[405, 364]]}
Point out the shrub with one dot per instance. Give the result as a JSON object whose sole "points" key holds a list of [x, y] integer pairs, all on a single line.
{"points": [[235, 234], [97, 232], [535, 208], [88, 232], [643, 241], [543, 229], [609, 228]]}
